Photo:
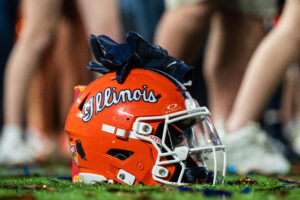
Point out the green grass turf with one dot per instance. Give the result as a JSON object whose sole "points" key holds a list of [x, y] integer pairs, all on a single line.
{"points": [[46, 182]]}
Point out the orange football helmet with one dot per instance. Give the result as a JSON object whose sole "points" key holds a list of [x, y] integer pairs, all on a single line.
{"points": [[147, 130]]}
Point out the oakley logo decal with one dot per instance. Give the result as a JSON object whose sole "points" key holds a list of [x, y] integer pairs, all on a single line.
{"points": [[110, 97], [172, 106]]}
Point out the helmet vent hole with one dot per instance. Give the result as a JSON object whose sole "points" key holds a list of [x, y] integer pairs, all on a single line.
{"points": [[120, 153], [82, 103]]}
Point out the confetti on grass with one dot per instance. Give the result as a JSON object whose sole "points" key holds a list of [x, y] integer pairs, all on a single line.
{"points": [[28, 187], [289, 180], [243, 181]]}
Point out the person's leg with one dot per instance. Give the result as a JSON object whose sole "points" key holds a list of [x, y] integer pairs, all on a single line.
{"points": [[290, 106], [101, 17], [41, 109], [266, 68], [296, 143], [182, 30], [8, 20], [41, 18], [232, 40], [59, 72], [74, 57]]}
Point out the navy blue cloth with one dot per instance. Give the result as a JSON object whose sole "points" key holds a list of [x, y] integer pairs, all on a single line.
{"points": [[135, 53]]}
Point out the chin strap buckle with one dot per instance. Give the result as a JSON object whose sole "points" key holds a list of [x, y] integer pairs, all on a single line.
{"points": [[126, 177]]}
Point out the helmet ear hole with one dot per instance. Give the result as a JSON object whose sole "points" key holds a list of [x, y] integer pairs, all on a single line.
{"points": [[120, 154]]}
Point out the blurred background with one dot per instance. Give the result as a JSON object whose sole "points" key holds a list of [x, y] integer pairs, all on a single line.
{"points": [[45, 50]]}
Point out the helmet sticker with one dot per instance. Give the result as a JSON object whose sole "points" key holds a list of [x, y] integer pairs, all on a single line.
{"points": [[155, 139], [172, 108], [110, 97], [74, 153]]}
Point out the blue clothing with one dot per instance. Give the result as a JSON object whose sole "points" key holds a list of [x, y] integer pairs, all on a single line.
{"points": [[141, 16], [8, 18]]}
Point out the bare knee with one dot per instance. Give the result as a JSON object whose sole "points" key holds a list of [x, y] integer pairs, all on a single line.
{"points": [[193, 14], [37, 42], [232, 40], [289, 25]]}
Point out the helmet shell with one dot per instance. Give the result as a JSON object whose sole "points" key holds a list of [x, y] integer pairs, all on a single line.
{"points": [[105, 103]]}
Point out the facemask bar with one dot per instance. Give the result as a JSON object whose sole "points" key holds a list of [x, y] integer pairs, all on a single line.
{"points": [[179, 157]]}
